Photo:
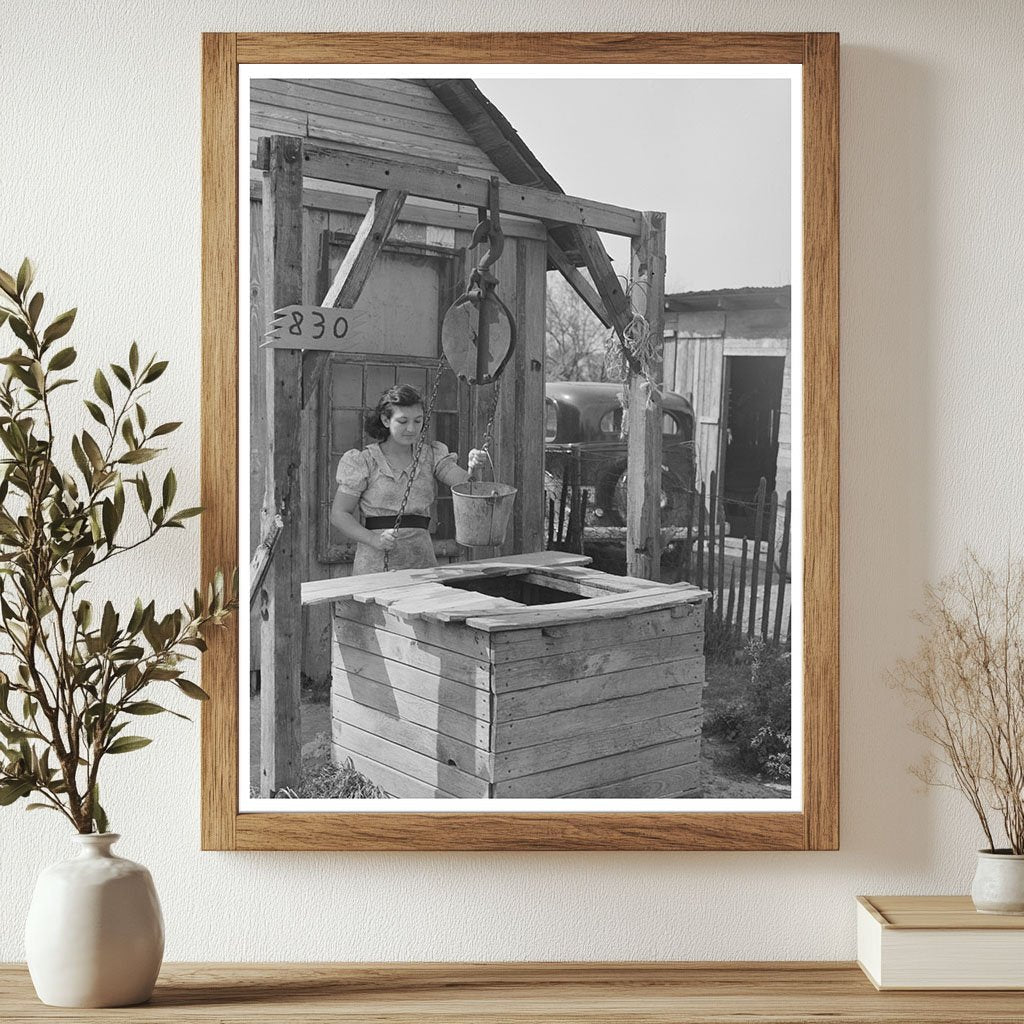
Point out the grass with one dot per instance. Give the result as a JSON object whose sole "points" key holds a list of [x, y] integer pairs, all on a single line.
{"points": [[324, 780]]}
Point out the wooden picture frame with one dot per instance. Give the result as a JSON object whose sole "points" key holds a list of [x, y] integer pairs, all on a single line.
{"points": [[816, 826]]}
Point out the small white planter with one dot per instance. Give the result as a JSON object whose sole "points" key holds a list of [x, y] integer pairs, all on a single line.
{"points": [[999, 883], [95, 933]]}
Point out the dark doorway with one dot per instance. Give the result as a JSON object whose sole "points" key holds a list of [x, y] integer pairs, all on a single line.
{"points": [[754, 404]]}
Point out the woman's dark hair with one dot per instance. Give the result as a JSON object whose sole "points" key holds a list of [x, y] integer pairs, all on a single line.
{"points": [[400, 396]]}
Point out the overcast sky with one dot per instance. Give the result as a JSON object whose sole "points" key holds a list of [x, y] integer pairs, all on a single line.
{"points": [[713, 154]]}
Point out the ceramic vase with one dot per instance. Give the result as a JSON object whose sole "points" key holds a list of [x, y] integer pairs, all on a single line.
{"points": [[95, 933], [999, 882]]}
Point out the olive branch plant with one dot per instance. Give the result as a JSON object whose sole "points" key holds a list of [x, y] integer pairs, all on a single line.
{"points": [[967, 681], [81, 674]]}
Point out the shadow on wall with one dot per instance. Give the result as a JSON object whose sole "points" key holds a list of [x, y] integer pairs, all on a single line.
{"points": [[888, 415]]}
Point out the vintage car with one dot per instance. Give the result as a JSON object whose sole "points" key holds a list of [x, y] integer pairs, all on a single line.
{"points": [[584, 442]]}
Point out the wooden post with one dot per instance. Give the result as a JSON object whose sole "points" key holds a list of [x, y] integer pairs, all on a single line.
{"points": [[643, 480], [279, 601], [525, 380]]}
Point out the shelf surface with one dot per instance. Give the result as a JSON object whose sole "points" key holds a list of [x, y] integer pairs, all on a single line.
{"points": [[461, 993]]}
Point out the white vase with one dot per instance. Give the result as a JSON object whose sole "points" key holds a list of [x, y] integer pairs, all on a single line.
{"points": [[95, 934], [999, 883]]}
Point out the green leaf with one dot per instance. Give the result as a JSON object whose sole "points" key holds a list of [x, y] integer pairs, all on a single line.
{"points": [[60, 326], [166, 428], [8, 284], [20, 329], [26, 274], [126, 744], [63, 359], [185, 513], [92, 449], [170, 488], [15, 790], [138, 455], [42, 807], [109, 521], [16, 359], [99, 816], [191, 690], [95, 412], [133, 358], [102, 388], [80, 458], [128, 433], [83, 613], [34, 308], [108, 627], [121, 374], [135, 622], [145, 497], [144, 707], [140, 415], [119, 500], [154, 372]]}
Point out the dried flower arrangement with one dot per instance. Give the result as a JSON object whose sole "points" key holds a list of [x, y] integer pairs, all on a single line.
{"points": [[967, 680]]}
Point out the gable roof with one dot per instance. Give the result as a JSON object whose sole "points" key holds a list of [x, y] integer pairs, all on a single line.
{"points": [[488, 127]]}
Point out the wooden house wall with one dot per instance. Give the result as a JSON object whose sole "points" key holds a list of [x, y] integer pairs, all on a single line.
{"points": [[405, 121]]}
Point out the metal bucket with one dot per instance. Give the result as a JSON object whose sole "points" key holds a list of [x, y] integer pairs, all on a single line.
{"points": [[482, 511]]}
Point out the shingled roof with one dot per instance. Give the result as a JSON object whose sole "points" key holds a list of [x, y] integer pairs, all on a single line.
{"points": [[493, 133]]}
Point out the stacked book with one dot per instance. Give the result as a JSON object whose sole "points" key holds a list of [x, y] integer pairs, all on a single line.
{"points": [[938, 942]]}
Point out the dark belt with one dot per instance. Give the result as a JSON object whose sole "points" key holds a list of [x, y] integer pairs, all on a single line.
{"points": [[388, 522]]}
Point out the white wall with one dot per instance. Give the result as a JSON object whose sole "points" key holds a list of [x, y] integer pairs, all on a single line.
{"points": [[101, 185]]}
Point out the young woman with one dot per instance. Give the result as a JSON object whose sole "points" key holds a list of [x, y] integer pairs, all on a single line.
{"points": [[372, 481]]}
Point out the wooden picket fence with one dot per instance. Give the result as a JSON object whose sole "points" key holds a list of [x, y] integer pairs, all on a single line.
{"points": [[749, 600]]}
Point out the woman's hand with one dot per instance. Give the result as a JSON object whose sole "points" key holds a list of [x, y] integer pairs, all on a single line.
{"points": [[386, 540], [478, 458]]}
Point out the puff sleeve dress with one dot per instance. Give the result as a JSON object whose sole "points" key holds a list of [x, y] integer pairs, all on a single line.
{"points": [[365, 473]]}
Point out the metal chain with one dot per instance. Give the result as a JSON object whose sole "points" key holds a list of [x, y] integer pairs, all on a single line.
{"points": [[490, 423], [427, 412]]}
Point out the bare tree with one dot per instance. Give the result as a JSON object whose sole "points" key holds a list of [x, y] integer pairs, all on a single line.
{"points": [[575, 338]]}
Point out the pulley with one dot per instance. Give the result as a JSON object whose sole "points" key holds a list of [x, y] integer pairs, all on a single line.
{"points": [[478, 335]]}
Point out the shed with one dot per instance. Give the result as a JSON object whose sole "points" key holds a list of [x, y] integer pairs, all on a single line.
{"points": [[728, 351]]}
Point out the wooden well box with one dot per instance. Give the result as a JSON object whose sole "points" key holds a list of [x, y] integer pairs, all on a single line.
{"points": [[527, 676]]}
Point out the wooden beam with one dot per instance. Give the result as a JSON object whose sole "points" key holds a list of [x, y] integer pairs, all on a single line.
{"points": [[412, 212], [467, 190], [605, 279], [370, 238], [643, 472], [352, 275], [279, 598], [580, 285]]}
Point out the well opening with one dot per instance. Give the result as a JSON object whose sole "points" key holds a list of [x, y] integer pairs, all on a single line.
{"points": [[527, 589]]}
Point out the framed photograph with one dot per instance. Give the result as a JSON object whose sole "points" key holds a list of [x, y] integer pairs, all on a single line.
{"points": [[520, 418]]}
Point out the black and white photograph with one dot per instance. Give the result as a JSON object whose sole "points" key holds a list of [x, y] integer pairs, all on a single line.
{"points": [[519, 448]]}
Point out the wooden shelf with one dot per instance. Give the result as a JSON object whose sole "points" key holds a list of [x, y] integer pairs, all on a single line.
{"points": [[524, 992]]}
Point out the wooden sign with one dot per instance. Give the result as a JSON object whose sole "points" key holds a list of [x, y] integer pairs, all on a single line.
{"points": [[317, 327]]}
